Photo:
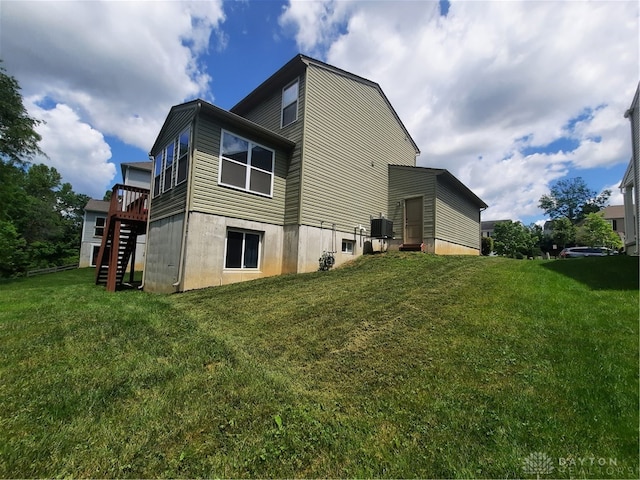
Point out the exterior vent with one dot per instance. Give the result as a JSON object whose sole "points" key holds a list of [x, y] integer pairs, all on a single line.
{"points": [[381, 228]]}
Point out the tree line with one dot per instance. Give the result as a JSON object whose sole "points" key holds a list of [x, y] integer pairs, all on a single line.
{"points": [[575, 215], [40, 216]]}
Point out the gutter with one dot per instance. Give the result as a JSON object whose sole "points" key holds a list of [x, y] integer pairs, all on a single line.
{"points": [[185, 226]]}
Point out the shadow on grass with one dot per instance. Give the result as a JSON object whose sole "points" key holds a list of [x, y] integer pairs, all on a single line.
{"points": [[618, 272]]}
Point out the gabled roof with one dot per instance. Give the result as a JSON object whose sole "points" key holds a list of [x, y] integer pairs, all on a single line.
{"points": [[146, 165], [447, 175], [613, 211], [296, 66], [199, 106], [94, 205], [490, 224], [627, 179]]}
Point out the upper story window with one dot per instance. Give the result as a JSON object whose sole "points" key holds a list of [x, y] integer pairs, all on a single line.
{"points": [[245, 165], [98, 230], [290, 104], [183, 156], [171, 164]]}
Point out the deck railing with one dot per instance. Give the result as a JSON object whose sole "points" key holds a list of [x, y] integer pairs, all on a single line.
{"points": [[129, 203]]}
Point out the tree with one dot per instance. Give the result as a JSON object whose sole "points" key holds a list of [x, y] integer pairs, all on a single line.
{"points": [[564, 232], [512, 239], [573, 199], [18, 138], [597, 232], [487, 246]]}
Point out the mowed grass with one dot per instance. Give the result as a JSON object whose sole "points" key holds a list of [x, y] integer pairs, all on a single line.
{"points": [[396, 366]]}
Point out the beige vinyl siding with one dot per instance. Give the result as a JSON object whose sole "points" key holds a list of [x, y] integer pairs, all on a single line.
{"points": [[209, 197], [457, 218], [173, 201], [179, 121], [351, 136], [407, 183], [267, 114]]}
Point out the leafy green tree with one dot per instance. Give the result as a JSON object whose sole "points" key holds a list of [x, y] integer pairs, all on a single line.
{"points": [[18, 138], [13, 256], [512, 239], [573, 199], [597, 232], [487, 246], [564, 232]]}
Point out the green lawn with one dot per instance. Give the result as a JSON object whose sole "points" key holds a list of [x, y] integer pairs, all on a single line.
{"points": [[397, 365]]}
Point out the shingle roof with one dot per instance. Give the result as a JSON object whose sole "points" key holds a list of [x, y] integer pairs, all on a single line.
{"points": [[94, 205]]}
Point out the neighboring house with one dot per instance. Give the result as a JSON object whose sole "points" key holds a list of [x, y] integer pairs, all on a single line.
{"points": [[614, 214], [299, 167], [487, 227], [631, 181], [93, 224], [135, 174]]}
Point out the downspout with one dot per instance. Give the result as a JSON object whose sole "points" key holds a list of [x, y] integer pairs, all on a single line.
{"points": [[185, 226], [146, 234]]}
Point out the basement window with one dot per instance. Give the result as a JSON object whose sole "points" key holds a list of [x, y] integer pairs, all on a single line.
{"points": [[242, 249], [347, 246]]}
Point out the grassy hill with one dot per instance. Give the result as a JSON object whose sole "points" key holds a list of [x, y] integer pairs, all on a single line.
{"points": [[397, 365]]}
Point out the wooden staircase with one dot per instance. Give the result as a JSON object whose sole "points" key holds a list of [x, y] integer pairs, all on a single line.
{"points": [[127, 218]]}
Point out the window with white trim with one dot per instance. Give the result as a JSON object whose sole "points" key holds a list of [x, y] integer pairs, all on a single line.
{"points": [[242, 249], [182, 157], [347, 246], [171, 163], [168, 166], [245, 165], [289, 104], [157, 179], [98, 229]]}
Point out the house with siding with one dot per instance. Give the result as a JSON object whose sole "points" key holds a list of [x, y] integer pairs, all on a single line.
{"points": [[631, 181], [299, 167]]}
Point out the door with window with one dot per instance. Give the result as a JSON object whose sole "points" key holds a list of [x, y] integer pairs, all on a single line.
{"points": [[413, 221]]}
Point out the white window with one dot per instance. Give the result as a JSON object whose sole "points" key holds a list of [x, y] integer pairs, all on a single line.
{"points": [[290, 104], [98, 229], [347, 246], [158, 174], [171, 164], [242, 249], [169, 153], [245, 165], [182, 157]]}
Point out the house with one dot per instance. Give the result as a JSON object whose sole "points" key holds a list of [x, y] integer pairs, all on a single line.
{"points": [[488, 226], [614, 215], [93, 223], [631, 181], [305, 164], [439, 213], [136, 174]]}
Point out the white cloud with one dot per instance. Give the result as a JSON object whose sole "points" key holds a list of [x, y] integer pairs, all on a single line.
{"points": [[74, 148], [481, 87], [118, 66]]}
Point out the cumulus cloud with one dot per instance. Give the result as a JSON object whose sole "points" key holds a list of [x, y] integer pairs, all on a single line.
{"points": [[74, 148], [118, 65], [487, 88]]}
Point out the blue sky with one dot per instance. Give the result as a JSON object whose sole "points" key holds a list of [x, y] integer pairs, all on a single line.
{"points": [[509, 96]]}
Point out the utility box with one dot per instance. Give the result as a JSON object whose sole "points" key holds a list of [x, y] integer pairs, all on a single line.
{"points": [[381, 228]]}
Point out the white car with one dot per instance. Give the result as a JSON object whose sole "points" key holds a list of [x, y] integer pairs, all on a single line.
{"points": [[574, 252]]}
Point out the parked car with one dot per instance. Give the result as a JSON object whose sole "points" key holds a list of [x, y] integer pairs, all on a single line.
{"points": [[575, 252]]}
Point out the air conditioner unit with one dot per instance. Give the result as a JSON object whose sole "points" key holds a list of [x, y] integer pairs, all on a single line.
{"points": [[381, 228]]}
